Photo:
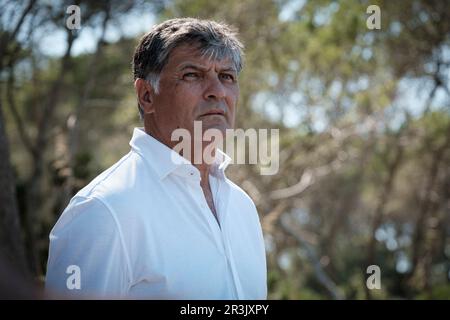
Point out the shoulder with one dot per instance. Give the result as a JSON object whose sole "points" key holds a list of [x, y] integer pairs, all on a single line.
{"points": [[122, 186], [242, 201], [87, 216], [120, 177], [112, 200], [240, 193]]}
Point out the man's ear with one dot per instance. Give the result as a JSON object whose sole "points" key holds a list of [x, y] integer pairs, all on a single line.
{"points": [[144, 93]]}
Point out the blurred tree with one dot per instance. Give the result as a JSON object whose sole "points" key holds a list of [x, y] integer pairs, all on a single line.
{"points": [[11, 242]]}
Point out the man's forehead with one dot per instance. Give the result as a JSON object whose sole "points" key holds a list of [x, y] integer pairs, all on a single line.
{"points": [[187, 54]]}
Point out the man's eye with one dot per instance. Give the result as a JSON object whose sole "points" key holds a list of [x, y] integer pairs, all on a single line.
{"points": [[227, 77], [191, 75]]}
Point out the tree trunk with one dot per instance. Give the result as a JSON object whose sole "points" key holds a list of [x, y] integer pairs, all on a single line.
{"points": [[379, 211], [11, 243]]}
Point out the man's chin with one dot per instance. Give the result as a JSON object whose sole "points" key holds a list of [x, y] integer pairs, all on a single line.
{"points": [[218, 124]]}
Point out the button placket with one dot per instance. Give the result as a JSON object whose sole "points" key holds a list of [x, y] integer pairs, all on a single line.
{"points": [[219, 233], [223, 208], [208, 214]]}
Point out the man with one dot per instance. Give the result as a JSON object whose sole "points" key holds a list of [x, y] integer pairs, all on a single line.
{"points": [[157, 224]]}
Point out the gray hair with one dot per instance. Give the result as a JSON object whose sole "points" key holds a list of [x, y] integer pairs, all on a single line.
{"points": [[215, 41]]}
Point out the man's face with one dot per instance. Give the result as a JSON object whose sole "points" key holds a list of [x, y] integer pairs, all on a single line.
{"points": [[195, 88]]}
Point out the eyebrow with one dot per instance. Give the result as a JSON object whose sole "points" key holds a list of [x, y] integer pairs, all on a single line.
{"points": [[202, 68]]}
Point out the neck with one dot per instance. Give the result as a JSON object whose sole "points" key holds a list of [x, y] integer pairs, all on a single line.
{"points": [[205, 165], [204, 174], [154, 131]]}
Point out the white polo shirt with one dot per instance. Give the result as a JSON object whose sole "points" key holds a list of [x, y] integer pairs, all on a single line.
{"points": [[143, 229]]}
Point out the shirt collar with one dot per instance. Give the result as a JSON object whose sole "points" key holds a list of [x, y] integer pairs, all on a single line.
{"points": [[166, 161]]}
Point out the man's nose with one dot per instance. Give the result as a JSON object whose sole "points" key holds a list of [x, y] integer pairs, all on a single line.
{"points": [[215, 89]]}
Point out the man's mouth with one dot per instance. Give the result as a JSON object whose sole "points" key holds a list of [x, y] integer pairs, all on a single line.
{"points": [[215, 112]]}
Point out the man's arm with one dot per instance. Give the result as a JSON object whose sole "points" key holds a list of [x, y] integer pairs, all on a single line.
{"points": [[87, 256]]}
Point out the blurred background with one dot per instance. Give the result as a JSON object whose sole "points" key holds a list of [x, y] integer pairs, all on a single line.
{"points": [[364, 120]]}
